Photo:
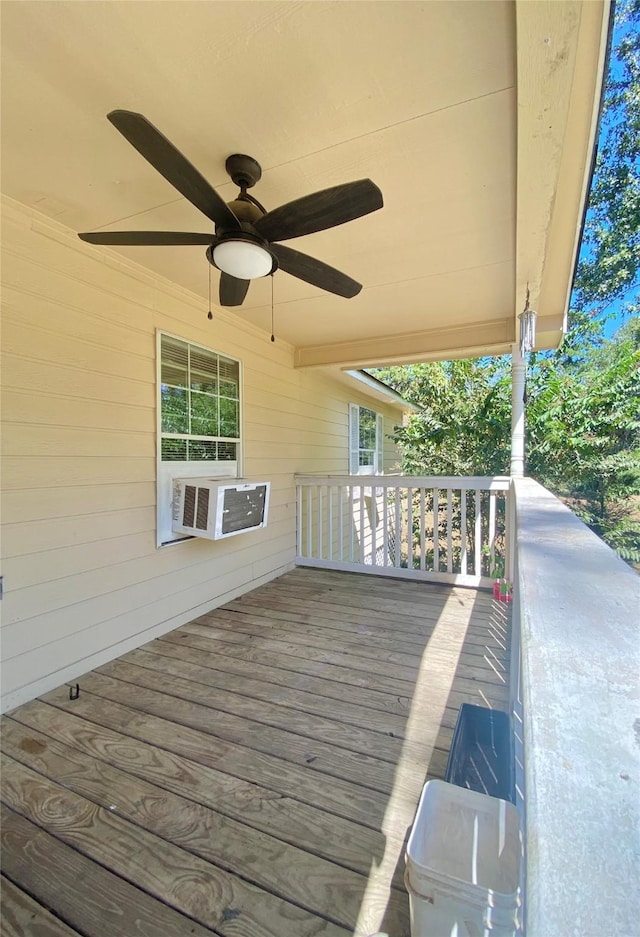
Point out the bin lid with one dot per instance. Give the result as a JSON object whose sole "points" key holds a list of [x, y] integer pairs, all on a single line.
{"points": [[467, 839]]}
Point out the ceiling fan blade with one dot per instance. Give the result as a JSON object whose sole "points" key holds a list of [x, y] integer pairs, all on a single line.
{"points": [[315, 272], [319, 211], [232, 291], [175, 167], [141, 238]]}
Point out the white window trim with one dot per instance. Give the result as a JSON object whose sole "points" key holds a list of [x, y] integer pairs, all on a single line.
{"points": [[377, 468], [167, 471]]}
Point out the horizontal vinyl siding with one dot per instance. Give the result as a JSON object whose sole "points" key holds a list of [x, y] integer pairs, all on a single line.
{"points": [[83, 578]]}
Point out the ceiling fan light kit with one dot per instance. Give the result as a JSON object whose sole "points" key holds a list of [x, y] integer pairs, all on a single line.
{"points": [[243, 247], [242, 259]]}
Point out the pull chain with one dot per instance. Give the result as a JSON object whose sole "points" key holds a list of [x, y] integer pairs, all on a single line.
{"points": [[210, 314], [273, 338]]}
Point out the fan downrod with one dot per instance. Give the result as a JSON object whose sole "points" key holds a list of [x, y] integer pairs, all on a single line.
{"points": [[244, 170]]}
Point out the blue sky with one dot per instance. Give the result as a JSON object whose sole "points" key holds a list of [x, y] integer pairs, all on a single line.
{"points": [[614, 315]]}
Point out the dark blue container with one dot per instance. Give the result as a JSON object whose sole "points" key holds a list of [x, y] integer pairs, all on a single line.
{"points": [[481, 757]]}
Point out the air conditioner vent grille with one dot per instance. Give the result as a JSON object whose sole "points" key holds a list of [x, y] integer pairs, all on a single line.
{"points": [[189, 506], [202, 516]]}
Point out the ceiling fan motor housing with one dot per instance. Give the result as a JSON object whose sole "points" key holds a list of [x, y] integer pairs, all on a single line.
{"points": [[244, 170], [245, 211]]}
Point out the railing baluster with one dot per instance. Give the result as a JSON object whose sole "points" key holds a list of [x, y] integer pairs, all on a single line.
{"points": [[319, 524], [463, 531], [352, 522], [374, 525], [410, 550], [330, 522], [361, 490], [449, 530], [299, 520], [341, 520], [423, 552], [492, 529], [385, 529], [398, 530], [478, 537], [309, 521], [436, 532]]}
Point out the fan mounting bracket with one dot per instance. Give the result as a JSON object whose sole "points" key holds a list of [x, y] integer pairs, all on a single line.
{"points": [[244, 170]]}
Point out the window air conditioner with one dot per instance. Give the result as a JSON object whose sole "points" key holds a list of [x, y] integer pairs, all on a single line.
{"points": [[216, 508]]}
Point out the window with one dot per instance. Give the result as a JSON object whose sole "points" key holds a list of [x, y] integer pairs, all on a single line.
{"points": [[200, 403], [199, 419], [365, 441]]}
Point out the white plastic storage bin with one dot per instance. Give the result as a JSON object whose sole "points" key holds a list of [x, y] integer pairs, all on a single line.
{"points": [[463, 864]]}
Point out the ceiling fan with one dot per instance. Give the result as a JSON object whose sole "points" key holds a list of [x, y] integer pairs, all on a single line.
{"points": [[244, 246]]}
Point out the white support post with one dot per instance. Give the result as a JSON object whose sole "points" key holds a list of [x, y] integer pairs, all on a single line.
{"points": [[518, 372]]}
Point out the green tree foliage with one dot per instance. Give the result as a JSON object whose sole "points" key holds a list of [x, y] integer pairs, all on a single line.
{"points": [[463, 426], [583, 436], [610, 254]]}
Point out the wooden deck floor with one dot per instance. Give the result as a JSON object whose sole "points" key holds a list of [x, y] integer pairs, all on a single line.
{"points": [[253, 773]]}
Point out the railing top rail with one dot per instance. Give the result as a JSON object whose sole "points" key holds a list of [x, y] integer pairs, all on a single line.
{"points": [[481, 482], [577, 605]]}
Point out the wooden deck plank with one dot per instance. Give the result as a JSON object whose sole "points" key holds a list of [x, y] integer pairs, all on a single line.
{"points": [[185, 662], [363, 646], [341, 841], [336, 734], [191, 665], [343, 623], [88, 897], [287, 747], [22, 916], [367, 591], [412, 590], [356, 670], [343, 798], [279, 682], [264, 763], [185, 881], [408, 620], [346, 677]]}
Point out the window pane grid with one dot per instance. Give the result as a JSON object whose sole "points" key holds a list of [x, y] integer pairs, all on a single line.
{"points": [[200, 408]]}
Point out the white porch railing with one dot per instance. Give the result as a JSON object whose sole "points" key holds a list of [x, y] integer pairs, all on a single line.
{"points": [[445, 529], [574, 682]]}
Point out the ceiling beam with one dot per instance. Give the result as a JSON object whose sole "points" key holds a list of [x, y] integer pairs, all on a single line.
{"points": [[482, 338]]}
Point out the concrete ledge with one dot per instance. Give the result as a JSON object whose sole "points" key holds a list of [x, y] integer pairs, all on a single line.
{"points": [[579, 612]]}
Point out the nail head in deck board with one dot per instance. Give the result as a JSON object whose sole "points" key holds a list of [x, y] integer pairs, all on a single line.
{"points": [[161, 868], [341, 841], [91, 899], [21, 915]]}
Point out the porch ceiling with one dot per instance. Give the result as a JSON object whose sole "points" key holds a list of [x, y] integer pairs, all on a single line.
{"points": [[474, 118]]}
